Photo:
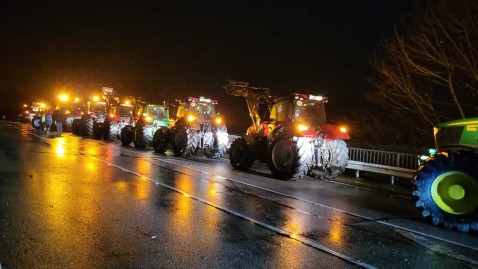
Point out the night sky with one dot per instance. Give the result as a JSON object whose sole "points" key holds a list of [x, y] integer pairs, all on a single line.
{"points": [[172, 49]]}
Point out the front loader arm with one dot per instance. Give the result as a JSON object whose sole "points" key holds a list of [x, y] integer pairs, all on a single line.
{"points": [[254, 97]]}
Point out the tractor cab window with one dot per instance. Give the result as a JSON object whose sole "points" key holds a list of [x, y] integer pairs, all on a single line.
{"points": [[310, 111], [123, 111], [205, 111], [98, 106], [74, 108], [157, 112], [281, 111]]}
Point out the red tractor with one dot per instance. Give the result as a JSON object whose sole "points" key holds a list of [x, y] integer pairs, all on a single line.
{"points": [[73, 110], [121, 115], [98, 108], [291, 136]]}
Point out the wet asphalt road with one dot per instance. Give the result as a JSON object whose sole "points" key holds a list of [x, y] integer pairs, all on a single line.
{"points": [[71, 202]]}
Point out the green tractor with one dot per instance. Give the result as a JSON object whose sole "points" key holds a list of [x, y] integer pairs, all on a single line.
{"points": [[446, 184], [148, 118]]}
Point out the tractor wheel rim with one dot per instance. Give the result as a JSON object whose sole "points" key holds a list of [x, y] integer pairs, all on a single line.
{"points": [[455, 192], [282, 156]]}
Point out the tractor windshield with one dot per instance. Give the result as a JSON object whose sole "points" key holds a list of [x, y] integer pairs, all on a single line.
{"points": [[204, 111], [74, 108], [157, 112], [98, 107], [310, 111], [124, 111]]}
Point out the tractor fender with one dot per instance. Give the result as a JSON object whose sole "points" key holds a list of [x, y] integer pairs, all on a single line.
{"points": [[331, 132]]}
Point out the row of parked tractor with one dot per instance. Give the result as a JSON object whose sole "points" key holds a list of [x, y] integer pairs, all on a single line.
{"points": [[290, 134], [194, 127]]}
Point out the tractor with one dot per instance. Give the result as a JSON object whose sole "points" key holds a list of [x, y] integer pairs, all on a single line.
{"points": [[26, 114], [446, 184], [36, 113], [290, 134], [197, 127], [121, 115], [148, 118], [91, 122], [73, 110]]}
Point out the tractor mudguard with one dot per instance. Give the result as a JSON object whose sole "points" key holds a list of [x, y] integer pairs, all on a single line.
{"points": [[332, 132]]}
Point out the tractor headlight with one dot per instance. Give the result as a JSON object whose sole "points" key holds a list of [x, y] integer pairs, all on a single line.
{"points": [[218, 121], [148, 119], [343, 129], [191, 118]]}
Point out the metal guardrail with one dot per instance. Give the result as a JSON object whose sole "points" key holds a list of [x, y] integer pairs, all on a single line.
{"points": [[383, 162]]}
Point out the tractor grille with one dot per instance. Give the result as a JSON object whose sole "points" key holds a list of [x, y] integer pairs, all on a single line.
{"points": [[449, 136]]}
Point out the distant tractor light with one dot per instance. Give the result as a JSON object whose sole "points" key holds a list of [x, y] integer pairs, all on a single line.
{"points": [[148, 119], [42, 105], [112, 115], [218, 120], [63, 97], [316, 97], [127, 103], [423, 157], [25, 105], [26, 112], [82, 113], [191, 118], [343, 129], [67, 112], [96, 98], [77, 99], [302, 127]]}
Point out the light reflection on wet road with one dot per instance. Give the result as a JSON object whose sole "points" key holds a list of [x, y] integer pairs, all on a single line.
{"points": [[74, 202]]}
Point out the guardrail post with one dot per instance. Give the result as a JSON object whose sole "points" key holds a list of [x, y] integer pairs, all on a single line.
{"points": [[392, 180], [357, 173]]}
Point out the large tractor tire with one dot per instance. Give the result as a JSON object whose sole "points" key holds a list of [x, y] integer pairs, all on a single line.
{"points": [[75, 127], [97, 130], [86, 126], [240, 155], [160, 140], [68, 125], [142, 135], [218, 148], [185, 142], [446, 190], [126, 135], [290, 158], [36, 122], [338, 156], [111, 130]]}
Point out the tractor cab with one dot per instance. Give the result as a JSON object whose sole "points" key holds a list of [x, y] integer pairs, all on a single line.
{"points": [[96, 107], [153, 114], [462, 133], [200, 110]]}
